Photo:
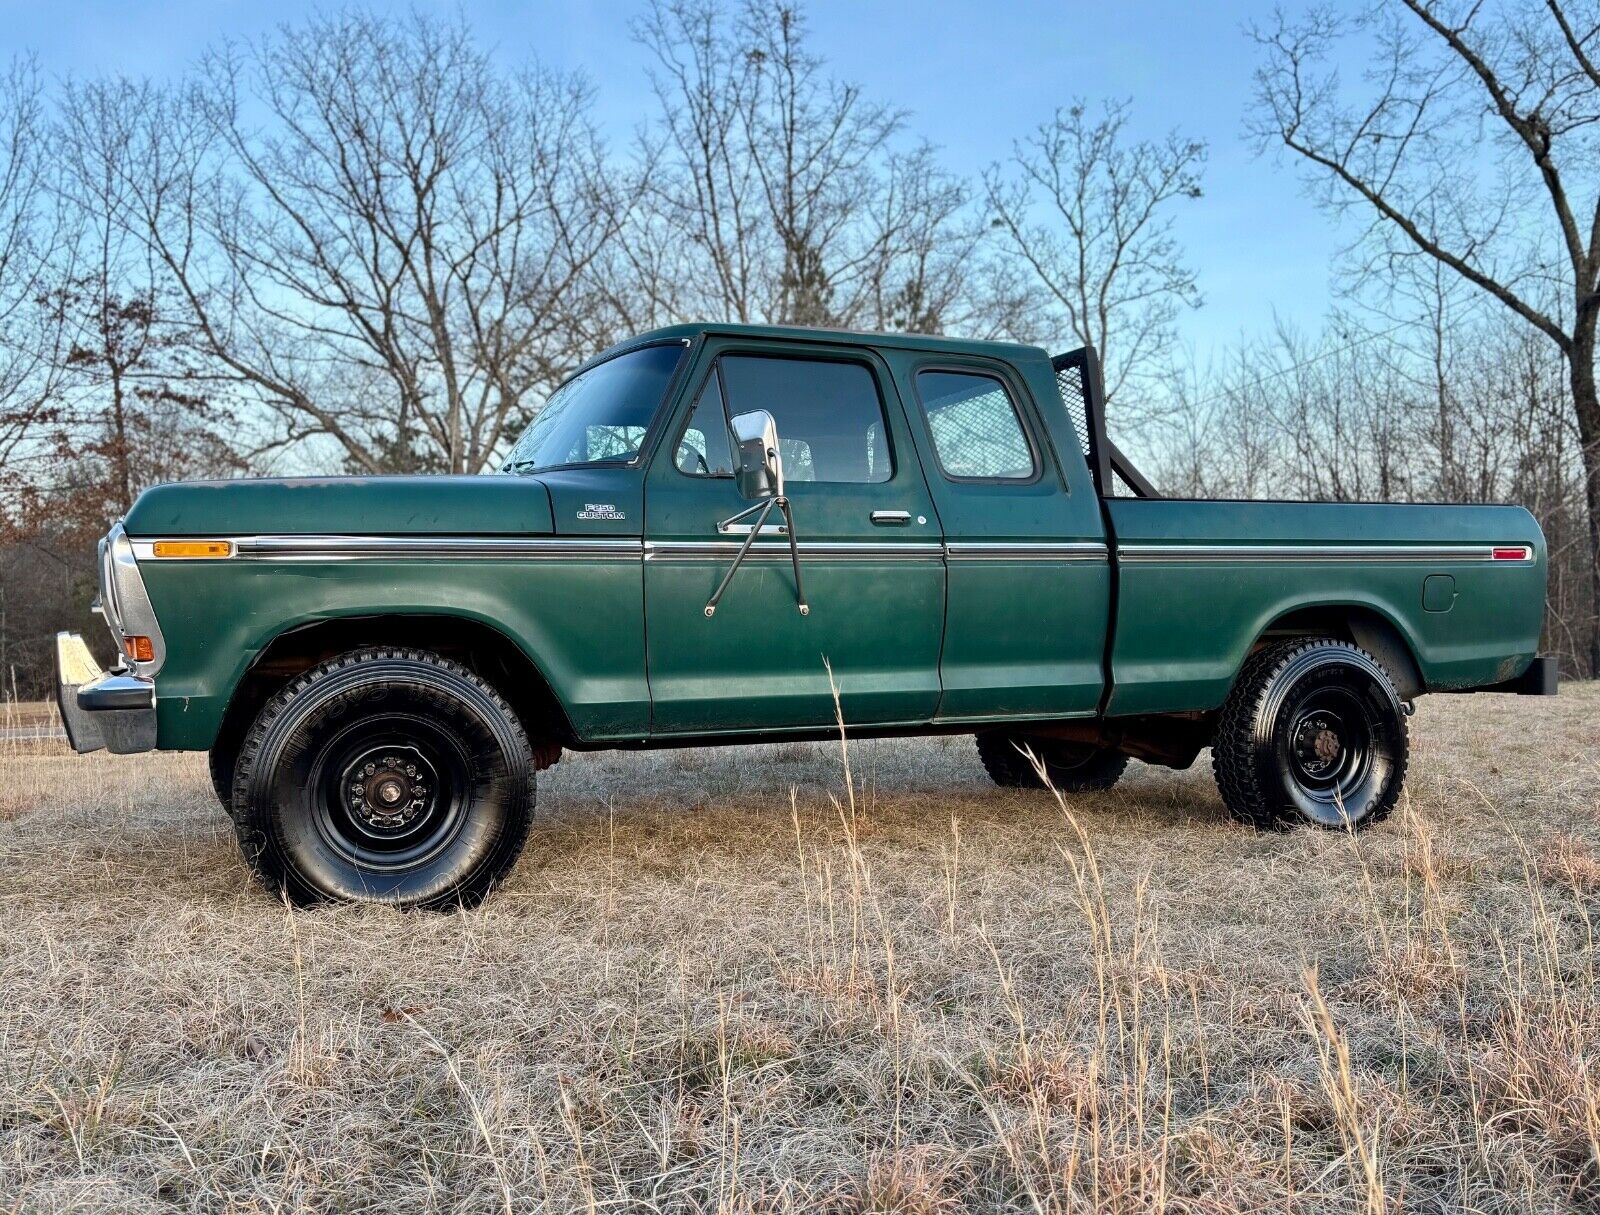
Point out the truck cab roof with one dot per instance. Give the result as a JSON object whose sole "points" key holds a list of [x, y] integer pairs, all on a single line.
{"points": [[938, 343]]}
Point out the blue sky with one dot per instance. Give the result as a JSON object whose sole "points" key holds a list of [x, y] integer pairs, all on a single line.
{"points": [[974, 76]]}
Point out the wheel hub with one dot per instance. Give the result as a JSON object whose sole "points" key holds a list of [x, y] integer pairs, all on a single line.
{"points": [[1318, 744], [387, 789]]}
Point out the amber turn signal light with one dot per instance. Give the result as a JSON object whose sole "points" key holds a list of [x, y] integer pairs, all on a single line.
{"points": [[192, 548], [140, 649]]}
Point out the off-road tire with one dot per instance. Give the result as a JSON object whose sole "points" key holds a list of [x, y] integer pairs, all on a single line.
{"points": [[1072, 767], [220, 762], [1268, 753], [323, 755]]}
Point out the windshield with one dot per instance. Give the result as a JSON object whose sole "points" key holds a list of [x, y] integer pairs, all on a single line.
{"points": [[601, 414]]}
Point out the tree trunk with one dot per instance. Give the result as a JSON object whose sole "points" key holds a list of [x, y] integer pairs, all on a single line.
{"points": [[1586, 403], [119, 420]]}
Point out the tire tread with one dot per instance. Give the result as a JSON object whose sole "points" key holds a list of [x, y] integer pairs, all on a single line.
{"points": [[1009, 768], [1233, 749], [252, 838], [220, 764]]}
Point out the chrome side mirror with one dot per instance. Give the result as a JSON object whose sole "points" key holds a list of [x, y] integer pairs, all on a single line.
{"points": [[758, 461], [759, 475]]}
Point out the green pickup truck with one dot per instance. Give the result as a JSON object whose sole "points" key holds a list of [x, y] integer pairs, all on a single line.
{"points": [[703, 532]]}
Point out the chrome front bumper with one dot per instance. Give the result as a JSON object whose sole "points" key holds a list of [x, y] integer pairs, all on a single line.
{"points": [[112, 710]]}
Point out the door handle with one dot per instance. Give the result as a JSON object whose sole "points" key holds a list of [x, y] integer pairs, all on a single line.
{"points": [[891, 518]]}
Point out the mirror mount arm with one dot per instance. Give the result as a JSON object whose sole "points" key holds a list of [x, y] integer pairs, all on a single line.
{"points": [[781, 501], [727, 524]]}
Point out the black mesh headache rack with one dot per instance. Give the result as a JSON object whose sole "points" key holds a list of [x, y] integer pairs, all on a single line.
{"points": [[1083, 393]]}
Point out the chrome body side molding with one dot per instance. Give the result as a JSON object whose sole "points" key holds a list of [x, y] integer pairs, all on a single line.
{"points": [[1086, 550], [819, 550], [602, 548], [432, 548], [412, 548], [1378, 554], [122, 588]]}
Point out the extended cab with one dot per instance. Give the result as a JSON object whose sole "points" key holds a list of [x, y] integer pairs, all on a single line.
{"points": [[703, 523]]}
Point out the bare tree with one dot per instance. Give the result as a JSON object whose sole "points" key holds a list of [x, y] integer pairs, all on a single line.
{"points": [[918, 268], [137, 401], [705, 192], [386, 240], [780, 187], [1446, 403], [1089, 213], [30, 230], [1474, 142]]}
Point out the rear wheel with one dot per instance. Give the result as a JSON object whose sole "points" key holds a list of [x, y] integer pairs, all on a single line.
{"points": [[386, 776], [1071, 767], [1313, 732]]}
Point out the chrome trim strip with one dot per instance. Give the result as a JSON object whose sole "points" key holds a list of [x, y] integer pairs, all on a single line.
{"points": [[127, 599], [471, 548], [574, 548], [123, 588], [823, 550], [1026, 551], [1383, 554]]}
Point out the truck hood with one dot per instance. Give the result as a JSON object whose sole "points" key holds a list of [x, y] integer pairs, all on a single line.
{"points": [[488, 505]]}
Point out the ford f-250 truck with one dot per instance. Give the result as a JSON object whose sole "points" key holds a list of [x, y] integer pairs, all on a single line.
{"points": [[703, 522]]}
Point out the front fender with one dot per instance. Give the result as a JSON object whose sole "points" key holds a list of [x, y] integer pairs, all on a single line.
{"points": [[579, 622]]}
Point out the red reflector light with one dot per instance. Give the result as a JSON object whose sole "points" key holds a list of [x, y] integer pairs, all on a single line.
{"points": [[1517, 553], [140, 649]]}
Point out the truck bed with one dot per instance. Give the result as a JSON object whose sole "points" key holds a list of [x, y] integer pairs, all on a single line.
{"points": [[1199, 581]]}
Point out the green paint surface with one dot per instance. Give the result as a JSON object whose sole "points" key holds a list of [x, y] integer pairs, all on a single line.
{"points": [[912, 638]]}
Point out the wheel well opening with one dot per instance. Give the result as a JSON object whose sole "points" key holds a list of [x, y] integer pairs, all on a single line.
{"points": [[1363, 626], [484, 650]]}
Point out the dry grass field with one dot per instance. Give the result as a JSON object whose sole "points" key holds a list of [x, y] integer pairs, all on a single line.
{"points": [[731, 981]]}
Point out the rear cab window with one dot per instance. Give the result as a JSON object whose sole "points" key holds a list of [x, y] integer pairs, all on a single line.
{"points": [[975, 425]]}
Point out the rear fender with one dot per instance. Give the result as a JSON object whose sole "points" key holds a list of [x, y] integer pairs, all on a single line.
{"points": [[1367, 624]]}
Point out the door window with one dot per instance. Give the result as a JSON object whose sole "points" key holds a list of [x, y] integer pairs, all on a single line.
{"points": [[704, 449], [977, 433], [831, 424]]}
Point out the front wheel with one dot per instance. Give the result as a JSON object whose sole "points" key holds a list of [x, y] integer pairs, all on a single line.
{"points": [[1313, 732], [219, 763], [384, 776]]}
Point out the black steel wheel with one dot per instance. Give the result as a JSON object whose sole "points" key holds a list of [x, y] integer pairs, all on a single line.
{"points": [[385, 775], [1313, 732], [1071, 767]]}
